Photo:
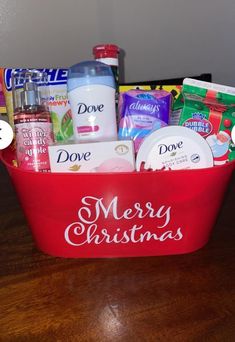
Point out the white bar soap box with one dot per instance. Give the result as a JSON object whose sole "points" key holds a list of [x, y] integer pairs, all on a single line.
{"points": [[108, 156]]}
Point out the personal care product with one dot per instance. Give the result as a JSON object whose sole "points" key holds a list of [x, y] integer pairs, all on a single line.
{"points": [[174, 148], [57, 102], [175, 91], [32, 120], [109, 156], [209, 109], [142, 111], [91, 93], [108, 54]]}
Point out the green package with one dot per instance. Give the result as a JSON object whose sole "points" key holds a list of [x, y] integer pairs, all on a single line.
{"points": [[209, 109]]}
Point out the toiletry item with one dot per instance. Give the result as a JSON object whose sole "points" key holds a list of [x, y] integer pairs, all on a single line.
{"points": [[32, 120], [142, 111], [108, 54], [91, 93], [58, 101], [174, 148], [109, 156], [175, 91], [209, 109]]}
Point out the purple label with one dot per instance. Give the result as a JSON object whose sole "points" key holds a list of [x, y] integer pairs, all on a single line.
{"points": [[142, 112], [135, 105]]}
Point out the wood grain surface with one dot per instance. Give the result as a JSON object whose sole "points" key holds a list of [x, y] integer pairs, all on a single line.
{"points": [[172, 298]]}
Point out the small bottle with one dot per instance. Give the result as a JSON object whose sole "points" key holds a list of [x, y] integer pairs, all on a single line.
{"points": [[108, 54], [32, 120], [91, 93]]}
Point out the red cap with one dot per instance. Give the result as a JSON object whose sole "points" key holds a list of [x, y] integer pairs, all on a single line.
{"points": [[106, 50]]}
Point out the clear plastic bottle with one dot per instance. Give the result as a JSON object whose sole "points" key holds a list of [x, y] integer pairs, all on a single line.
{"points": [[91, 93], [32, 120]]}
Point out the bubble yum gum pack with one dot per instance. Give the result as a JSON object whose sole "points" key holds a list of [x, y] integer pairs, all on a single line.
{"points": [[209, 109], [58, 101], [142, 111]]}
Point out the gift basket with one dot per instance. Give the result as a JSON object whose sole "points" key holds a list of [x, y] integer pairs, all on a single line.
{"points": [[142, 186]]}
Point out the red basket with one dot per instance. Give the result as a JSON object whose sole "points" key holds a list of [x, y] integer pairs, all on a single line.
{"points": [[121, 214]]}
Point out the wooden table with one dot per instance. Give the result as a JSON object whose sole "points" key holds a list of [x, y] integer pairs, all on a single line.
{"points": [[171, 298]]}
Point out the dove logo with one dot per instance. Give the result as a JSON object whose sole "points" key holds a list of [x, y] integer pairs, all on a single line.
{"points": [[64, 156]]}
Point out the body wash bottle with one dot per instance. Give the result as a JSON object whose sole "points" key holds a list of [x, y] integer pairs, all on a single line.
{"points": [[32, 120]]}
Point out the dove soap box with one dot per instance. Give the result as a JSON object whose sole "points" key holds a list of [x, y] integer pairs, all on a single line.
{"points": [[109, 156]]}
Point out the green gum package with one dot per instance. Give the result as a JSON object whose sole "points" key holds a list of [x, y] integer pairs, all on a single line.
{"points": [[209, 109]]}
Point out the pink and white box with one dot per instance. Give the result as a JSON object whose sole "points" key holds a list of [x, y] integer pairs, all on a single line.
{"points": [[108, 156]]}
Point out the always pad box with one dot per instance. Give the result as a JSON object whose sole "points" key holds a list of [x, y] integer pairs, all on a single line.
{"points": [[108, 156]]}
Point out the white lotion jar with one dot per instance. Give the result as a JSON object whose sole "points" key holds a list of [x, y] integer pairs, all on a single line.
{"points": [[174, 148]]}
